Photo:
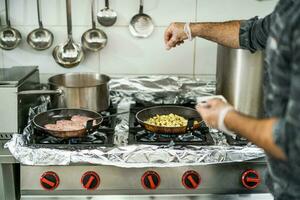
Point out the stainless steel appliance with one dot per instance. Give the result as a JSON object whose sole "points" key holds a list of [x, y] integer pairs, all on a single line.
{"points": [[13, 107], [89, 179], [14, 111], [239, 79], [84, 179]]}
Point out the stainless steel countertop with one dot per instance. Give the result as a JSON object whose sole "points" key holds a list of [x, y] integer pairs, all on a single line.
{"points": [[159, 197]]}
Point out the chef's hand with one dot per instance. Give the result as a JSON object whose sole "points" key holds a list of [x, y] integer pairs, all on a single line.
{"points": [[213, 112], [175, 35]]}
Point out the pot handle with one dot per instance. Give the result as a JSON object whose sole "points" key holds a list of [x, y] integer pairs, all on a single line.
{"points": [[41, 92]]}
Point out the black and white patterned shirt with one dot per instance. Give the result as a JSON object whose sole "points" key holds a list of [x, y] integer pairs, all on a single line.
{"points": [[279, 35]]}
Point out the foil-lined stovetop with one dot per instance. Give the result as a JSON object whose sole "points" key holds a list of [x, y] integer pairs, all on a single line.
{"points": [[145, 90]]}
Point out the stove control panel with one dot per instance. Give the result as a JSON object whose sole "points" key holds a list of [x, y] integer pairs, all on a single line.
{"points": [[229, 178], [49, 180], [250, 179], [191, 180], [150, 180], [90, 180]]}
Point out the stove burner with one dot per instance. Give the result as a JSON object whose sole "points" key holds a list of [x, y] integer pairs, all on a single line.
{"points": [[102, 137]]}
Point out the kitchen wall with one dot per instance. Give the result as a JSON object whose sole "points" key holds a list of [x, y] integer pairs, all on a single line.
{"points": [[125, 54]]}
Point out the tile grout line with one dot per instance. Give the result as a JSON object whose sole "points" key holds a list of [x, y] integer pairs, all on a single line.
{"points": [[195, 43], [2, 61]]}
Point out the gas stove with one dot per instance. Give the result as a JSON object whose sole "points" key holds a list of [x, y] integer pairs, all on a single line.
{"points": [[102, 137], [89, 179]]}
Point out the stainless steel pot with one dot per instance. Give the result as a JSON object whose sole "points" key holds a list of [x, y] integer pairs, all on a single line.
{"points": [[240, 79], [81, 90], [77, 90]]}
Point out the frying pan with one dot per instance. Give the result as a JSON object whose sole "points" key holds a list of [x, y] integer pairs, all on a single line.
{"points": [[188, 113], [51, 116]]}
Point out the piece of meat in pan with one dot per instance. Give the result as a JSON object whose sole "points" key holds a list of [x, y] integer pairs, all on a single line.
{"points": [[69, 125], [64, 125], [54, 127], [82, 119], [76, 123]]}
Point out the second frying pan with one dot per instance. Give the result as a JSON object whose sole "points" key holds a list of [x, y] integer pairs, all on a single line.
{"points": [[188, 113]]}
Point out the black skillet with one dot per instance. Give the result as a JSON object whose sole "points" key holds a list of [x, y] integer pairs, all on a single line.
{"points": [[188, 113], [51, 116]]}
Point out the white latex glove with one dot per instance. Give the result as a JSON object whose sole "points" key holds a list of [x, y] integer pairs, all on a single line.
{"points": [[213, 112], [175, 35]]}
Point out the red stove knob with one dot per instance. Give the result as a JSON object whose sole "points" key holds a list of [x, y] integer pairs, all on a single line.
{"points": [[191, 180], [250, 179], [49, 180], [90, 180], [150, 180]]}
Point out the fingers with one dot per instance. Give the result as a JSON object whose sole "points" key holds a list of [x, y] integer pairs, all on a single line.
{"points": [[172, 36], [173, 41], [167, 35]]}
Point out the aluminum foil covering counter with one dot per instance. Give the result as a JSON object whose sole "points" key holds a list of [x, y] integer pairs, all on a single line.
{"points": [[146, 89]]}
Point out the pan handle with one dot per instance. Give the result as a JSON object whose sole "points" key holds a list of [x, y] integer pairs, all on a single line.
{"points": [[141, 11], [190, 124], [41, 92]]}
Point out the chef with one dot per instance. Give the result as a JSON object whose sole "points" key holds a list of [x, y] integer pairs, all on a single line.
{"points": [[279, 132]]}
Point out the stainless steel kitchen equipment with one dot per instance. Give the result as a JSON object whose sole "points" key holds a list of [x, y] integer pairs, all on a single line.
{"points": [[77, 90], [13, 118], [81, 90], [87, 180], [14, 108], [141, 24], [40, 38], [91, 180], [107, 16], [69, 54], [10, 38], [189, 164], [240, 79], [93, 39]]}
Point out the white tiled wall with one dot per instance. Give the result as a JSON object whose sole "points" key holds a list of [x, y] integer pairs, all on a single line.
{"points": [[125, 54]]}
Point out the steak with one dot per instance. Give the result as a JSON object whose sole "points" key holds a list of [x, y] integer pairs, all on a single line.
{"points": [[82, 119], [64, 126], [76, 123]]}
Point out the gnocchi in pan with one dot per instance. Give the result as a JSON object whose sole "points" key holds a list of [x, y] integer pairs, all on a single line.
{"points": [[170, 120]]}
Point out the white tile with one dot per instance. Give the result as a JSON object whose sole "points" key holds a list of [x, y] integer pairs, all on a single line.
{"points": [[162, 11], [1, 58], [216, 10], [24, 12], [206, 55], [2, 6], [128, 55], [24, 55]]}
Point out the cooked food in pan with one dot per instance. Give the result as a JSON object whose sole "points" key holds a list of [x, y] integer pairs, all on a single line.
{"points": [[76, 123], [170, 120]]}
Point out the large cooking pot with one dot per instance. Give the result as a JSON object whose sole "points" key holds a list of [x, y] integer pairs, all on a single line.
{"points": [[77, 90], [240, 79]]}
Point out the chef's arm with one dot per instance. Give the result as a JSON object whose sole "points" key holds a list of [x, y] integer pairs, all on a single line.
{"points": [[249, 34], [224, 33], [258, 131]]}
